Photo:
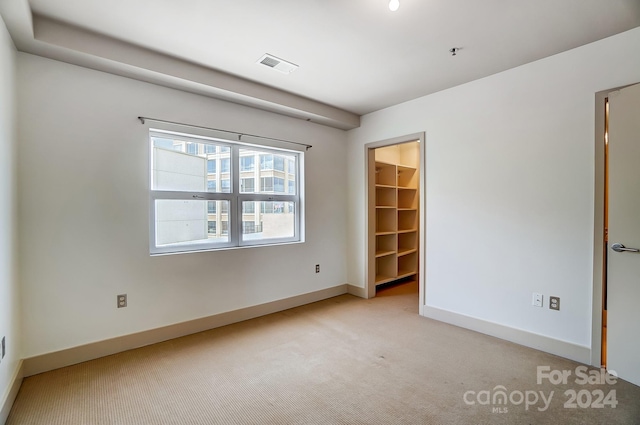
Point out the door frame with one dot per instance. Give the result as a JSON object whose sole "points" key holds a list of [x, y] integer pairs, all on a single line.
{"points": [[370, 286], [598, 225], [598, 229]]}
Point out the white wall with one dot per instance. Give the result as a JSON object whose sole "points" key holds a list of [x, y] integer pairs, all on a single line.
{"points": [[9, 294], [510, 187], [83, 183]]}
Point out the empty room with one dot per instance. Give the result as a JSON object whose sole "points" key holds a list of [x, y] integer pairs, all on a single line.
{"points": [[319, 212]]}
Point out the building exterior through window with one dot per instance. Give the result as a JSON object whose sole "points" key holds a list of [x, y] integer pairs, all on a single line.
{"points": [[185, 166]]}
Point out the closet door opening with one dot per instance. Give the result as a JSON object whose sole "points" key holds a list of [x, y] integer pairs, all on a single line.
{"points": [[394, 215]]}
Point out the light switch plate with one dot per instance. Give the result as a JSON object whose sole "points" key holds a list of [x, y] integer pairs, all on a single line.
{"points": [[536, 300]]}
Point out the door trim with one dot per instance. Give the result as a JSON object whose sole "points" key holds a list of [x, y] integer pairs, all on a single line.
{"points": [[598, 225], [370, 286], [598, 230]]}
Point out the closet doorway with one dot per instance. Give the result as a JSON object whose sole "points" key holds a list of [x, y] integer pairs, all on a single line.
{"points": [[395, 176]]}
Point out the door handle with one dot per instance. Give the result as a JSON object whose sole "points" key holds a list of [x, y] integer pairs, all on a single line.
{"points": [[618, 247]]}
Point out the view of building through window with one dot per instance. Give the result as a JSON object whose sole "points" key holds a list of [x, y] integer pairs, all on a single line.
{"points": [[188, 167]]}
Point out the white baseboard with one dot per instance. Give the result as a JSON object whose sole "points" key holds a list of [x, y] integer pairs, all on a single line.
{"points": [[83, 353], [357, 291], [12, 392], [579, 353]]}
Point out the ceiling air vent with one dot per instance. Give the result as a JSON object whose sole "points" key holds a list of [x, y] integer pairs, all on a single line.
{"points": [[277, 64]]}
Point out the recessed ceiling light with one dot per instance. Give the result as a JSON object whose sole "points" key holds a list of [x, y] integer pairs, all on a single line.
{"points": [[276, 63], [394, 5]]}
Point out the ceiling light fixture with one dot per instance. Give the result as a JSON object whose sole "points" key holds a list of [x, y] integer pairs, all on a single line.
{"points": [[394, 5]]}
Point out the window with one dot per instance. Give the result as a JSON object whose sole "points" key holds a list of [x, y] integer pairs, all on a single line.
{"points": [[278, 185], [248, 208], [266, 162], [266, 184], [247, 185], [247, 163], [225, 184], [275, 207], [278, 163], [266, 207], [187, 190], [248, 227], [224, 165]]}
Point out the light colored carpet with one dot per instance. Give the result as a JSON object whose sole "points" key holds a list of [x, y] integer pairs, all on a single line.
{"points": [[340, 361]]}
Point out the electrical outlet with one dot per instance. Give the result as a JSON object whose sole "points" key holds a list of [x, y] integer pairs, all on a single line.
{"points": [[122, 300], [537, 300], [554, 303], [317, 268]]}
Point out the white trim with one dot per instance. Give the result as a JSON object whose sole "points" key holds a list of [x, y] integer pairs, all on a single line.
{"points": [[12, 391], [357, 291], [598, 232], [83, 353], [579, 353]]}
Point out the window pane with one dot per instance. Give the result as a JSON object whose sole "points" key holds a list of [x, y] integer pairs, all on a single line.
{"points": [[247, 163], [278, 162], [212, 227], [225, 185], [211, 207], [211, 186], [266, 162], [247, 185], [292, 187], [266, 184], [248, 227], [224, 165], [278, 185], [186, 222], [249, 207], [179, 165], [276, 221], [168, 144]]}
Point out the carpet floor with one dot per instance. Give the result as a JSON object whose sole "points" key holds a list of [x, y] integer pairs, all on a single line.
{"points": [[344, 360]]}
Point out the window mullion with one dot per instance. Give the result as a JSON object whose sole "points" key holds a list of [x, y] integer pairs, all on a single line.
{"points": [[209, 196], [267, 197], [235, 208]]}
